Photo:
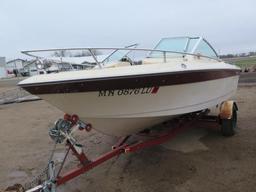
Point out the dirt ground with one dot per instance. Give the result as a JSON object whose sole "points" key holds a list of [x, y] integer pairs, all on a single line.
{"points": [[225, 164]]}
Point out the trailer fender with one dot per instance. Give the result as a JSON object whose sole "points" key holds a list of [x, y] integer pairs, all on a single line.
{"points": [[226, 109]]}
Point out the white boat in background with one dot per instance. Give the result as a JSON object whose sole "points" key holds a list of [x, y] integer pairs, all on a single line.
{"points": [[123, 95]]}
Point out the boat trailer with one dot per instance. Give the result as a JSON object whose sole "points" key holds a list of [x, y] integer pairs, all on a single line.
{"points": [[64, 128]]}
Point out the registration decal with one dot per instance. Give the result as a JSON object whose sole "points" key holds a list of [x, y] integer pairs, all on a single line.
{"points": [[136, 91]]}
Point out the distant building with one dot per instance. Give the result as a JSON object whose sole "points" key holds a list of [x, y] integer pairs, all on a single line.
{"points": [[15, 64], [32, 67], [2, 67]]}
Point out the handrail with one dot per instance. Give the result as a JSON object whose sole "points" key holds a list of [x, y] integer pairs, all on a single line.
{"points": [[129, 46], [96, 60], [90, 49]]}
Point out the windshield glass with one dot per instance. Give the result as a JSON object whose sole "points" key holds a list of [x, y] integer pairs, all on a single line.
{"points": [[204, 48], [170, 44], [192, 45]]}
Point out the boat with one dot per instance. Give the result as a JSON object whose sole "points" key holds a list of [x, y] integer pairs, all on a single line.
{"points": [[121, 95]]}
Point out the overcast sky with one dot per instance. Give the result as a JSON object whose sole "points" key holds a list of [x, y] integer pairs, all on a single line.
{"points": [[229, 25]]}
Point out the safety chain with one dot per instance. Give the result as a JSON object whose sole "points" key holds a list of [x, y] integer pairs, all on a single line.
{"points": [[59, 133], [39, 178]]}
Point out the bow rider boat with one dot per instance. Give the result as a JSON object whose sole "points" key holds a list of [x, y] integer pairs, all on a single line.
{"points": [[119, 95]]}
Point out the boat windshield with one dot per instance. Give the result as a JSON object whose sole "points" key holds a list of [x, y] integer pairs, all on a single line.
{"points": [[190, 45]]}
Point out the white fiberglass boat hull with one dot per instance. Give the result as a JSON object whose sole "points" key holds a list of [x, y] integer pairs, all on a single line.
{"points": [[119, 114]]}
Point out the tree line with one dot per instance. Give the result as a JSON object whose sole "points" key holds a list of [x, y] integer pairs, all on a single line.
{"points": [[66, 53], [251, 53]]}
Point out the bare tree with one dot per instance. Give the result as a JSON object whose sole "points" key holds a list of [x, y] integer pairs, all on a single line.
{"points": [[62, 53], [83, 53], [86, 53]]}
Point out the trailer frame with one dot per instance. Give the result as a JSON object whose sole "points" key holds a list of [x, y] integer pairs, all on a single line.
{"points": [[64, 127]]}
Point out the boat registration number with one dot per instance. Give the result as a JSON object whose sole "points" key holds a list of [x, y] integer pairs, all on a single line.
{"points": [[136, 91]]}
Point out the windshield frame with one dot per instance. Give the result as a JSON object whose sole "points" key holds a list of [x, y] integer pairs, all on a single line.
{"points": [[186, 46]]}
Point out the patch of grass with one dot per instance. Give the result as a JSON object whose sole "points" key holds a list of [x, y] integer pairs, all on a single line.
{"points": [[243, 61]]}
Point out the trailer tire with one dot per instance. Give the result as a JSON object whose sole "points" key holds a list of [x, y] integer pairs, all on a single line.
{"points": [[228, 126]]}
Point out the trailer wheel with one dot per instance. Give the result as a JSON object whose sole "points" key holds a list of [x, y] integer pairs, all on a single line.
{"points": [[228, 126]]}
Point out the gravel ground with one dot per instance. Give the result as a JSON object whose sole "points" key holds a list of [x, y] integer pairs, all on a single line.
{"points": [[225, 164]]}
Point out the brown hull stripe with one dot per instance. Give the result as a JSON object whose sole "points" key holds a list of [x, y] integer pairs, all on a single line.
{"points": [[128, 82]]}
